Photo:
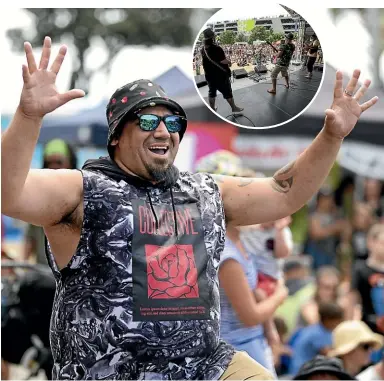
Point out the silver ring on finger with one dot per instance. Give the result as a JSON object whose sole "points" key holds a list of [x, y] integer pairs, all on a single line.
{"points": [[348, 93]]}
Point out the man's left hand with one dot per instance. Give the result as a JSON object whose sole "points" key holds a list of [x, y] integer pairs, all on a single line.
{"points": [[345, 111]]}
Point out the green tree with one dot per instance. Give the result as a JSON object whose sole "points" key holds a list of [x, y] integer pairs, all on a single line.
{"points": [[275, 36], [116, 28], [241, 37], [259, 33], [227, 37]]}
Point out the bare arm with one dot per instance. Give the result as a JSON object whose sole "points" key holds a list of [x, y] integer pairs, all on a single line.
{"points": [[283, 246], [241, 297], [283, 238], [252, 201], [41, 197], [286, 192], [269, 325]]}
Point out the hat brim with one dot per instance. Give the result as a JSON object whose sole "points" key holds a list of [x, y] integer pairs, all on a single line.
{"points": [[324, 369], [376, 339]]}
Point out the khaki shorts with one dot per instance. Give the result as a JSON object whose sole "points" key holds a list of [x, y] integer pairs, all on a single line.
{"points": [[243, 367], [277, 70]]}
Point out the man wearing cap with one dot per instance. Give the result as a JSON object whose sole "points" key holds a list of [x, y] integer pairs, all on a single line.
{"points": [[217, 71], [282, 64], [353, 342], [323, 368], [135, 245]]}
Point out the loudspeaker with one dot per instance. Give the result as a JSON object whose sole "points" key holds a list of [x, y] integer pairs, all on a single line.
{"points": [[261, 69], [240, 73], [200, 80]]}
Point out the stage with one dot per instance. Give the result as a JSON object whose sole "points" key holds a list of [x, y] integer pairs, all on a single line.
{"points": [[264, 109]]}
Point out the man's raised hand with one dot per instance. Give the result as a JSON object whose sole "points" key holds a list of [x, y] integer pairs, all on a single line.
{"points": [[39, 95], [345, 111]]}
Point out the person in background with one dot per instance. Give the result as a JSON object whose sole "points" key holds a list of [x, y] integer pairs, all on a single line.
{"points": [[313, 48], [374, 196], [323, 368], [283, 61], [327, 283], [243, 312], [325, 229], [269, 243], [374, 372], [57, 154], [217, 71], [367, 285], [301, 287], [363, 219], [353, 342], [316, 339]]}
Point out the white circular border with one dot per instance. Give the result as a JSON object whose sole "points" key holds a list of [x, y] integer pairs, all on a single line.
{"points": [[240, 125]]}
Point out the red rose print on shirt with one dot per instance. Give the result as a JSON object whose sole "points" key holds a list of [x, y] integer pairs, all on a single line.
{"points": [[171, 272]]}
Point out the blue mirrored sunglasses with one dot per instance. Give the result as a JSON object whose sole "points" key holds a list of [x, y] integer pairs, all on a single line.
{"points": [[174, 123]]}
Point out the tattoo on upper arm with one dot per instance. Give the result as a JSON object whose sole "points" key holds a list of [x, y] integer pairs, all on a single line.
{"points": [[283, 178], [244, 182]]}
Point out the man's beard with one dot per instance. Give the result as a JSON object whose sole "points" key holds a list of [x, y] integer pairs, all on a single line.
{"points": [[167, 175]]}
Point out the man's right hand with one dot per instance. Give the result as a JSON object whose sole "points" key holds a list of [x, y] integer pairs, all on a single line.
{"points": [[39, 95]]}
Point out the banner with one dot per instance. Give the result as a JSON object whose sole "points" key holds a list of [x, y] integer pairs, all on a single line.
{"points": [[364, 159], [271, 153]]}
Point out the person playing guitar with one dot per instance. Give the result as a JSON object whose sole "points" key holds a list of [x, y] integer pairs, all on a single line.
{"points": [[283, 60], [217, 71]]}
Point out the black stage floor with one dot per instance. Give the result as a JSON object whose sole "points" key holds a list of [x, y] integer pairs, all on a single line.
{"points": [[263, 109]]}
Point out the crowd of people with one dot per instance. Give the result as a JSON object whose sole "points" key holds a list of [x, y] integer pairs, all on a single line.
{"points": [[334, 304], [169, 275], [241, 55], [249, 55]]}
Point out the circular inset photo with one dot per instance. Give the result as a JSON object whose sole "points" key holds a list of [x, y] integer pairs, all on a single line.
{"points": [[259, 71]]}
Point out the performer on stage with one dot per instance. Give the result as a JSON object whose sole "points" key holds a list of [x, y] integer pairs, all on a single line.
{"points": [[217, 71], [313, 48], [134, 244], [282, 64]]}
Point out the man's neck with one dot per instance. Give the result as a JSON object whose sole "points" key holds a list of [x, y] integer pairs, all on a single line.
{"points": [[129, 172]]}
